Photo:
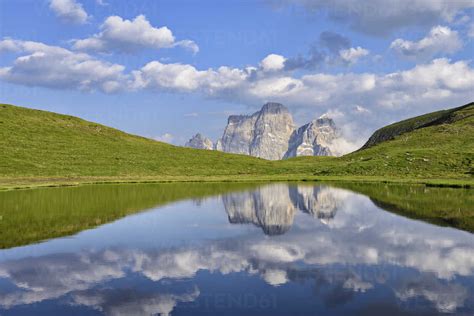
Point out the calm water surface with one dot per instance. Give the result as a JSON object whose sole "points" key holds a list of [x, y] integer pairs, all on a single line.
{"points": [[271, 250]]}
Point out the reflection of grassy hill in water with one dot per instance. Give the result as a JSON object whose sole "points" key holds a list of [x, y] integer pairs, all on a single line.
{"points": [[29, 216], [441, 206], [33, 215], [43, 147]]}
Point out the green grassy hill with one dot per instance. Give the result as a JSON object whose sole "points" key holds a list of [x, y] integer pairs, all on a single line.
{"points": [[40, 147], [431, 119], [44, 144]]}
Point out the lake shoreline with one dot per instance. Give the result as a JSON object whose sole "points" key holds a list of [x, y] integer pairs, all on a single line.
{"points": [[32, 183]]}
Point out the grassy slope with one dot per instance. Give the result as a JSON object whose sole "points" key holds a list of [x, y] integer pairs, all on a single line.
{"points": [[44, 147], [396, 129]]}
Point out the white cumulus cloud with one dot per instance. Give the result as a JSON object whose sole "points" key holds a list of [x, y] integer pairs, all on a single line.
{"points": [[69, 11], [440, 40], [55, 67], [273, 62], [441, 83], [352, 55], [129, 36]]}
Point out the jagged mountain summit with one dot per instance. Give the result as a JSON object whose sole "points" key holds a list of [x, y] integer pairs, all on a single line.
{"points": [[313, 139], [200, 142], [263, 134], [271, 134]]}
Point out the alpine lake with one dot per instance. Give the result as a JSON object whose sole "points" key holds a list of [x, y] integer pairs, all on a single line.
{"points": [[237, 249]]}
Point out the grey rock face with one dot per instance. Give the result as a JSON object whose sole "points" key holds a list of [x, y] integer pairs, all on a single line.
{"points": [[264, 134], [270, 134], [313, 139], [239, 134], [218, 145], [272, 131], [200, 142]]}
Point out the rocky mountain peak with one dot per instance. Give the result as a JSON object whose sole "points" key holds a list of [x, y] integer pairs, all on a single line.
{"points": [[273, 107], [271, 134], [324, 120], [200, 142], [233, 119], [313, 139]]}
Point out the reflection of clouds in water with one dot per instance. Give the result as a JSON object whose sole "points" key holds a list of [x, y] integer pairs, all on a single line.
{"points": [[446, 297], [385, 240], [275, 277], [357, 285], [49, 277], [117, 302]]}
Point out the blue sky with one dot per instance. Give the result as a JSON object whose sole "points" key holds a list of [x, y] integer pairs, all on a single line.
{"points": [[154, 68]]}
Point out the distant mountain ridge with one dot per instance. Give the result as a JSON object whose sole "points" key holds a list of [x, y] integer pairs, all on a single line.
{"points": [[271, 134], [200, 142]]}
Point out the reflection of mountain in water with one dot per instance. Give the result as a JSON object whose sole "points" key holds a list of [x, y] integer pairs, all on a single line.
{"points": [[386, 261], [320, 202], [268, 207], [273, 207]]}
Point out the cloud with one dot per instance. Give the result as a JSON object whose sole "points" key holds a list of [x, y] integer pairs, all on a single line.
{"points": [[129, 36], [311, 61], [186, 78], [55, 67], [9, 45], [352, 55], [334, 41], [330, 49], [360, 109], [166, 138], [470, 31], [438, 84], [381, 17], [69, 11], [440, 40], [273, 62], [425, 81]]}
